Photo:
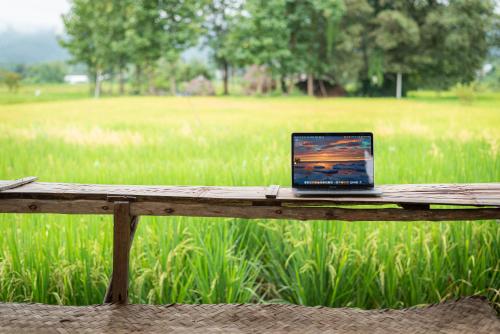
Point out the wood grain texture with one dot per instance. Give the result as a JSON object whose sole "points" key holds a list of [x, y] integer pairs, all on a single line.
{"points": [[17, 183], [272, 191], [478, 194], [56, 206], [313, 213], [414, 213], [108, 297], [123, 232]]}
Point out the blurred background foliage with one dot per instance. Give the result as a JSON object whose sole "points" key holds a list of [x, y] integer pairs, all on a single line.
{"points": [[322, 48]]}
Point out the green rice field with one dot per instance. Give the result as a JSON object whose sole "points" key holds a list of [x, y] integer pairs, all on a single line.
{"points": [[66, 259]]}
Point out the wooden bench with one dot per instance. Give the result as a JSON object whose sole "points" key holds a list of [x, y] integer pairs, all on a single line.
{"points": [[416, 202]]}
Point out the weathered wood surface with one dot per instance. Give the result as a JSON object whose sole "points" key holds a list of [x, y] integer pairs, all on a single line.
{"points": [[483, 201], [249, 211], [17, 183], [124, 228], [272, 191], [478, 194]]}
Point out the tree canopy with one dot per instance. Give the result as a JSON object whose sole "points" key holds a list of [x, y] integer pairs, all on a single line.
{"points": [[357, 43]]}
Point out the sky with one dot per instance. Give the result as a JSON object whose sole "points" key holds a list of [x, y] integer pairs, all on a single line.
{"points": [[32, 15], [29, 16]]}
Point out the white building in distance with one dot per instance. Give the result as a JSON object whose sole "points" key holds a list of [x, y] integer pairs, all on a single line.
{"points": [[74, 79]]}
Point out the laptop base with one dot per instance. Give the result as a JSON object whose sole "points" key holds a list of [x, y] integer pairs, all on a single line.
{"points": [[319, 192]]}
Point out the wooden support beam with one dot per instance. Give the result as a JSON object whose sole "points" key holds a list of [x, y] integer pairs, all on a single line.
{"points": [[124, 227], [250, 212], [415, 206], [313, 213]]}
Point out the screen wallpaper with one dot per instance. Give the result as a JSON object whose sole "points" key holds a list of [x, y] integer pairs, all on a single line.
{"points": [[332, 160]]}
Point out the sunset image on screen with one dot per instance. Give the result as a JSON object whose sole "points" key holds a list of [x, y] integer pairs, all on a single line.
{"points": [[332, 160]]}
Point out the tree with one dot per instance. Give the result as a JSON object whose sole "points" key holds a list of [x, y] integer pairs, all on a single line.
{"points": [[107, 34], [92, 28], [321, 39], [454, 42], [390, 37], [318, 36], [261, 37], [11, 79], [372, 44], [143, 36], [220, 19], [295, 37], [53, 72], [433, 44], [80, 33], [119, 53], [182, 26], [343, 58], [398, 37], [161, 29], [182, 71]]}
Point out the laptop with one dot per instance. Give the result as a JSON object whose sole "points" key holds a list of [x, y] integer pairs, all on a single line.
{"points": [[333, 164]]}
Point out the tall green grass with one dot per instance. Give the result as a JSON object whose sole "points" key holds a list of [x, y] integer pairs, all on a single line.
{"points": [[244, 141], [43, 92]]}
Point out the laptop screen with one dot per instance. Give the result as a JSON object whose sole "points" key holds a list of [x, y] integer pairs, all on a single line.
{"points": [[333, 160]]}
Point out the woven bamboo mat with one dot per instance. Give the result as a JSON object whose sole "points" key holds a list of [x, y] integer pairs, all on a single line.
{"points": [[468, 315]]}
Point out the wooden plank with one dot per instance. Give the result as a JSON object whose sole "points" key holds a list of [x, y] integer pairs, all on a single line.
{"points": [[108, 298], [447, 194], [313, 213], [56, 206], [413, 206], [250, 212], [17, 183], [124, 227], [272, 191]]}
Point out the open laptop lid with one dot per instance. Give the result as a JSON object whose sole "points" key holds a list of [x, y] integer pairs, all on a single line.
{"points": [[336, 160]]}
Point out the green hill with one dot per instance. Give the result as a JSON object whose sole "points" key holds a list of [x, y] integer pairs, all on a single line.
{"points": [[27, 48]]}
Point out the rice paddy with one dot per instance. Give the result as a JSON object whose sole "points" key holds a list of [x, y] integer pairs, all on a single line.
{"points": [[66, 259]]}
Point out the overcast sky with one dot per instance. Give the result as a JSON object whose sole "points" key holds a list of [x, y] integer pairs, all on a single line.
{"points": [[32, 15]]}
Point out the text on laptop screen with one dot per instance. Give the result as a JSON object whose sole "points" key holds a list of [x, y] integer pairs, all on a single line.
{"points": [[327, 160]]}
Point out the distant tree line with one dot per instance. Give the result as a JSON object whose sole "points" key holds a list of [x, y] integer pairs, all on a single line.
{"points": [[366, 44], [41, 73]]}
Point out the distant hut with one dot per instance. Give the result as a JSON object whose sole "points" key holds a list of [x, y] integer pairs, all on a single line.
{"points": [[257, 80], [322, 88], [199, 86]]}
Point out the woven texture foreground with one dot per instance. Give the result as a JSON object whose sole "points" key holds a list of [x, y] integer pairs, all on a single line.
{"points": [[468, 315]]}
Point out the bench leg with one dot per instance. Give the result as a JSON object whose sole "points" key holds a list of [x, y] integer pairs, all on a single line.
{"points": [[124, 227]]}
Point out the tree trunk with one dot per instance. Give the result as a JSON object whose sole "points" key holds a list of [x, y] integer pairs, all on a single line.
{"points": [[173, 86], [399, 85], [322, 88], [173, 80], [111, 84], [97, 90], [284, 87], [365, 80], [310, 85], [291, 84], [151, 81], [138, 78], [225, 70], [121, 80], [260, 83], [91, 83]]}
